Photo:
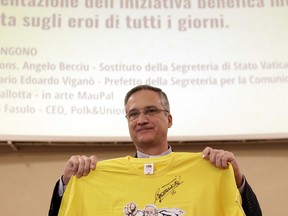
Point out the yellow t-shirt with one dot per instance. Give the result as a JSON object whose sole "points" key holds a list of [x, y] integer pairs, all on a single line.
{"points": [[175, 184]]}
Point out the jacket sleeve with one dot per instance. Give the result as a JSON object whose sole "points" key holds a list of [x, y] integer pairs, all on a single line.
{"points": [[55, 201], [250, 203]]}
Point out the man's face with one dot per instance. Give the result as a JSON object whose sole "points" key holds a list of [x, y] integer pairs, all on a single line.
{"points": [[150, 211], [148, 129]]}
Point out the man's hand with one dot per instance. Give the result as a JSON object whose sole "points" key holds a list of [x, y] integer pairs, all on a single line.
{"points": [[79, 166], [220, 159]]}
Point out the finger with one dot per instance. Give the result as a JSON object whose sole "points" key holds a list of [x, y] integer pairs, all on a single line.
{"points": [[222, 158], [215, 157], [206, 152], [93, 162], [219, 159], [212, 156], [224, 162], [73, 164], [70, 169], [87, 165], [81, 166], [228, 158]]}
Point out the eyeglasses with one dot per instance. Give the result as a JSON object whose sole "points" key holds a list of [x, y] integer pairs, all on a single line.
{"points": [[149, 111]]}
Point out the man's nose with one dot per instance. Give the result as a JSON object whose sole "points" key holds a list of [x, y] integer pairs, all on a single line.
{"points": [[142, 117]]}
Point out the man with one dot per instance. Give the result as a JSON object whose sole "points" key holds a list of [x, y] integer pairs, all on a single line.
{"points": [[148, 115]]}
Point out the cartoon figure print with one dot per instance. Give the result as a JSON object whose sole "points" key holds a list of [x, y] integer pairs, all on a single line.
{"points": [[131, 209]]}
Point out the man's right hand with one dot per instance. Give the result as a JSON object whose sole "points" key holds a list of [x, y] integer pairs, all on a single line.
{"points": [[79, 166]]}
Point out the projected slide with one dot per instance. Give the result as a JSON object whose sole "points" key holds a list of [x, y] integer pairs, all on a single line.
{"points": [[66, 65]]}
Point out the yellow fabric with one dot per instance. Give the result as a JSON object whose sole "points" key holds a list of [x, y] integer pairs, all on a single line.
{"points": [[182, 184]]}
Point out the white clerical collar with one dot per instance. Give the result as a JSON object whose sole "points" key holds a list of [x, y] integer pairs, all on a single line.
{"points": [[143, 155]]}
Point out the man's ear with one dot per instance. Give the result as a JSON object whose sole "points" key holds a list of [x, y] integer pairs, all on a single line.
{"points": [[170, 120]]}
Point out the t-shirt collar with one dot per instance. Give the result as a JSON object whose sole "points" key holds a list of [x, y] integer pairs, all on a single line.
{"points": [[143, 155]]}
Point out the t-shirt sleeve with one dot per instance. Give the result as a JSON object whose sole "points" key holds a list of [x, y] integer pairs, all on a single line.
{"points": [[230, 196], [71, 203]]}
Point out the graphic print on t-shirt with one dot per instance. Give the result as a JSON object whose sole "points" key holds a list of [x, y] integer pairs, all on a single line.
{"points": [[150, 210]]}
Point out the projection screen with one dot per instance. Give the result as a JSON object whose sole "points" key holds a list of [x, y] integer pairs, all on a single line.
{"points": [[66, 66]]}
